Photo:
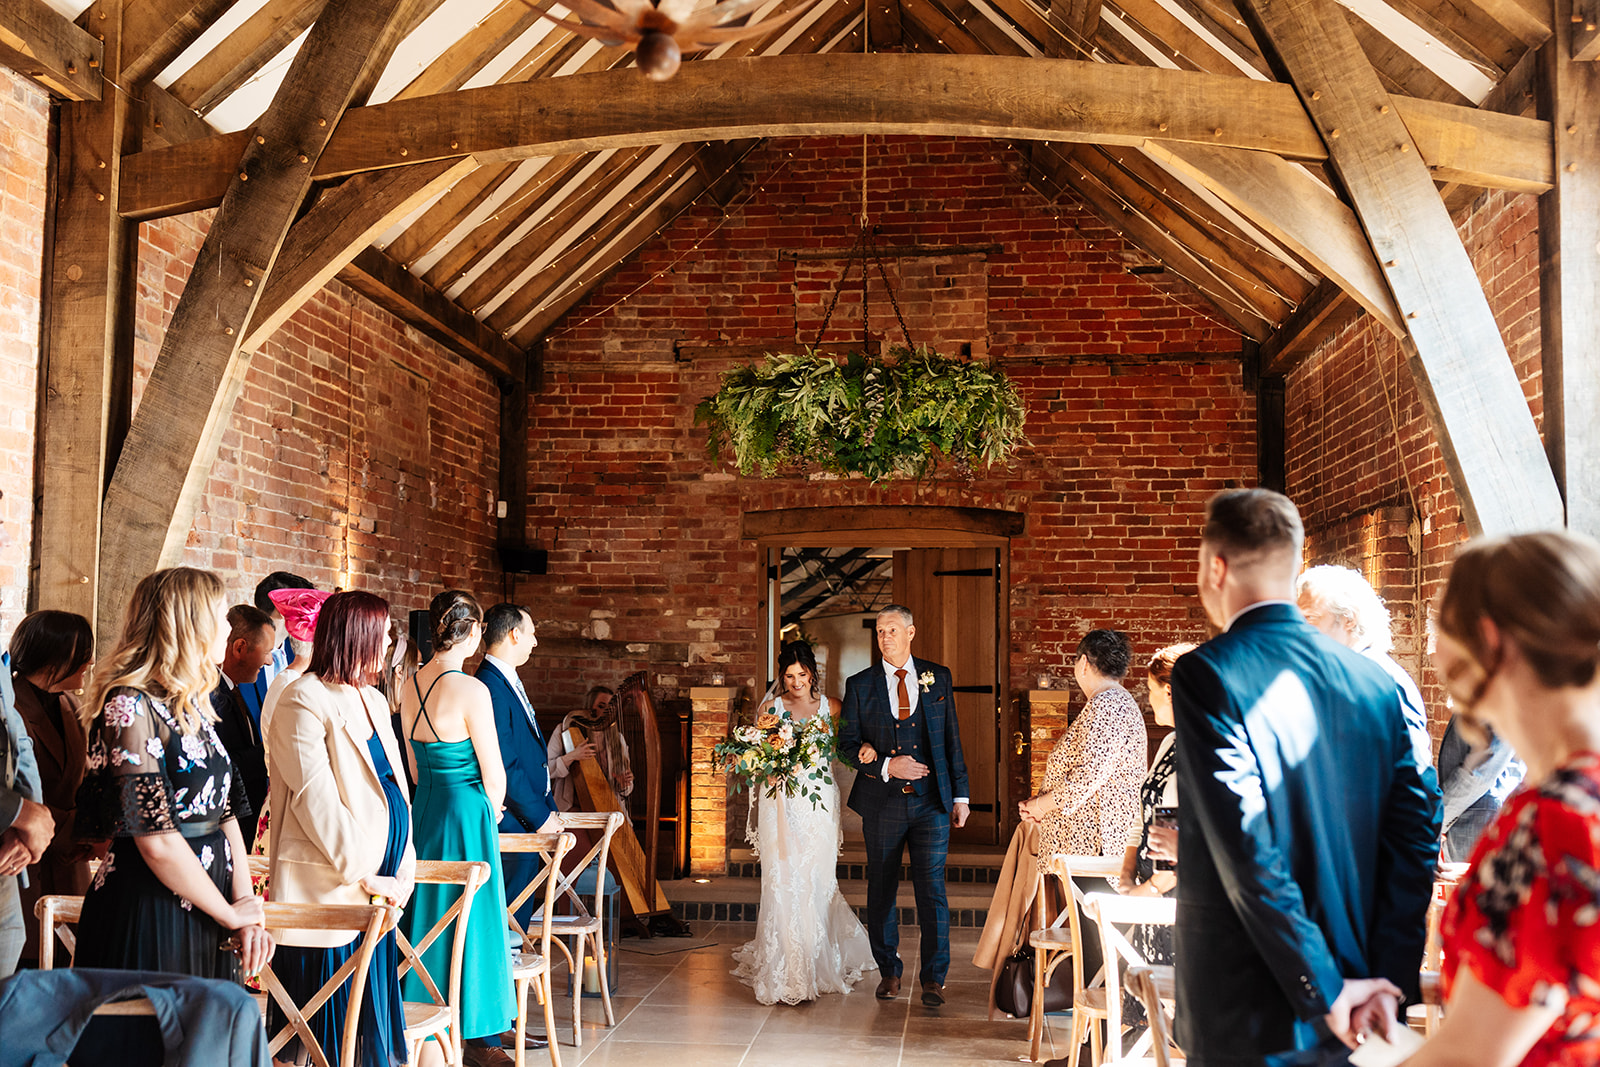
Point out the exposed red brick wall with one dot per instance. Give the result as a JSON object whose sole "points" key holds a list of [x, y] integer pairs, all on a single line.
{"points": [[361, 454], [643, 530], [24, 175], [1363, 458]]}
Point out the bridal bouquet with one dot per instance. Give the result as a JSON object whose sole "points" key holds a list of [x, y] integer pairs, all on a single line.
{"points": [[778, 753]]}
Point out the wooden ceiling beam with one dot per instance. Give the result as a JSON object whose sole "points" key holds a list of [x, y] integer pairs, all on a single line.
{"points": [[242, 54], [1292, 207], [155, 32], [398, 291], [59, 56], [946, 32], [718, 164], [984, 96], [575, 288], [1502, 477], [1569, 273], [883, 24], [1494, 150], [452, 209], [1527, 20], [1077, 22], [188, 401], [457, 64], [1325, 311], [1480, 42], [1585, 46], [167, 121], [342, 223]]}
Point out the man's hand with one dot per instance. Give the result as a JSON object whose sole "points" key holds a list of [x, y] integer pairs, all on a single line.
{"points": [[958, 815], [1353, 1001], [14, 855], [1378, 1015], [907, 768], [36, 826]]}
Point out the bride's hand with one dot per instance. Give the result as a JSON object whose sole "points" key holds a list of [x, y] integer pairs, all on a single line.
{"points": [[867, 753]]}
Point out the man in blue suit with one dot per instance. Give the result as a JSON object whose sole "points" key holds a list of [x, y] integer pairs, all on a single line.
{"points": [[907, 795], [508, 640], [1307, 833], [253, 693]]}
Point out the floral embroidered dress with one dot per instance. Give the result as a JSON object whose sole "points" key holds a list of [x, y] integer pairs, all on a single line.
{"points": [[1527, 917], [145, 776]]}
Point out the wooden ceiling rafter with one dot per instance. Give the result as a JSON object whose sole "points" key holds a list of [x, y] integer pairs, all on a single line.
{"points": [[244, 52], [59, 56], [155, 32]]}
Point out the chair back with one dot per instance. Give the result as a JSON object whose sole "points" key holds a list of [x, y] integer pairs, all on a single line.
{"points": [[1154, 985], [57, 915], [1108, 909], [470, 875], [599, 854], [1066, 867], [553, 848], [367, 920]]}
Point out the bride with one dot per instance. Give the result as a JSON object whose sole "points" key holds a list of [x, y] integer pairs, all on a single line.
{"points": [[808, 941]]}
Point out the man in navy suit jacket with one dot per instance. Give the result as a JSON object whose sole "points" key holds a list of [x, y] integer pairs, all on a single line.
{"points": [[908, 794], [1307, 833], [509, 639]]}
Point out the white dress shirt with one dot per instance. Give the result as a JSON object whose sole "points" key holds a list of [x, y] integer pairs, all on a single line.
{"points": [[913, 691]]}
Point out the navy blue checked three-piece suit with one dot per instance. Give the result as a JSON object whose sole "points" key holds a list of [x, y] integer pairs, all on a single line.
{"points": [[893, 817], [1307, 839], [528, 799]]}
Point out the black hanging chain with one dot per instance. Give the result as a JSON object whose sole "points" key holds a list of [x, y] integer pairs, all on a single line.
{"points": [[866, 246]]}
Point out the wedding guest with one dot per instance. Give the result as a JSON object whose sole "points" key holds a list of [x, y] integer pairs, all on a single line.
{"points": [[343, 827], [1339, 602], [1308, 832], [51, 653], [250, 639], [605, 745], [1089, 799], [1519, 650], [255, 694], [1140, 875], [26, 826], [1475, 781], [461, 788], [299, 609], [160, 786]]}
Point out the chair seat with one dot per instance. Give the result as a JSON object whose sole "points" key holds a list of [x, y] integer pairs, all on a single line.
{"points": [[563, 925], [425, 1018], [1054, 938], [527, 965]]}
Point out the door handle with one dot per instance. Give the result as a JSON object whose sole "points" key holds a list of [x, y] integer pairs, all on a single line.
{"points": [[1020, 741]]}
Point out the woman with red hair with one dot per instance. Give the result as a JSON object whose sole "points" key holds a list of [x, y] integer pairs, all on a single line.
{"points": [[342, 823]]}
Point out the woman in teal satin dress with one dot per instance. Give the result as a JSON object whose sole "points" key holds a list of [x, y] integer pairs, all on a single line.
{"points": [[461, 785]]}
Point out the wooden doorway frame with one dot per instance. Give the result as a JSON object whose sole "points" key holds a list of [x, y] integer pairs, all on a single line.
{"points": [[904, 526]]}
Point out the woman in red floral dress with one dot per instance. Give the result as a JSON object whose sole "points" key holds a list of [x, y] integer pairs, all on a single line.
{"points": [[1519, 650]]}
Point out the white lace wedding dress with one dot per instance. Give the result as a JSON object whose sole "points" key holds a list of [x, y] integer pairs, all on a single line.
{"points": [[808, 941]]}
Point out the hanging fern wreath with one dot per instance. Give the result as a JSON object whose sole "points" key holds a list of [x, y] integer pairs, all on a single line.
{"points": [[880, 418]]}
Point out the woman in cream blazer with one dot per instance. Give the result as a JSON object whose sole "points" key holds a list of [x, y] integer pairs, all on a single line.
{"points": [[341, 819]]}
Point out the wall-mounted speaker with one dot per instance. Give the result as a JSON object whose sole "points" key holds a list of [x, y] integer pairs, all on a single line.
{"points": [[520, 559]]}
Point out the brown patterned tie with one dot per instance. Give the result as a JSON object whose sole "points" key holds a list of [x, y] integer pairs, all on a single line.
{"points": [[900, 691]]}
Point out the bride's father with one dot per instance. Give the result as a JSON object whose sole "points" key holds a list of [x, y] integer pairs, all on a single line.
{"points": [[906, 795]]}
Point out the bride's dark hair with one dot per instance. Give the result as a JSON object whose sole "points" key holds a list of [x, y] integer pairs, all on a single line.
{"points": [[799, 652]]}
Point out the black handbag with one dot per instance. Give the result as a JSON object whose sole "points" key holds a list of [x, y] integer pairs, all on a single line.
{"points": [[1013, 990]]}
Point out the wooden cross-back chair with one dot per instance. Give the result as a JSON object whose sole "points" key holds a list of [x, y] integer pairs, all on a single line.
{"points": [[1062, 941], [440, 1016], [58, 913], [1156, 989], [531, 966], [1107, 910], [584, 922]]}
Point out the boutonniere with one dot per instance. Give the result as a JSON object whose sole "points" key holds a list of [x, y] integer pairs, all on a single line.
{"points": [[925, 679]]}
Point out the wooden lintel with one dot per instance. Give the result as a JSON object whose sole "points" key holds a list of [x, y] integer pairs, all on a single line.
{"points": [[57, 55], [188, 401], [87, 357], [1486, 432], [395, 289], [1325, 311], [1569, 274], [990, 522], [342, 223]]}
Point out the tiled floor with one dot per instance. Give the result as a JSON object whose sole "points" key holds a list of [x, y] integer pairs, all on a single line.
{"points": [[687, 1010]]}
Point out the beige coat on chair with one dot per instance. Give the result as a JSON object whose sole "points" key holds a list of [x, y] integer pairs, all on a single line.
{"points": [[330, 821]]}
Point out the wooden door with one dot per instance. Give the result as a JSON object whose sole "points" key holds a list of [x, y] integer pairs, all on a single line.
{"points": [[955, 598]]}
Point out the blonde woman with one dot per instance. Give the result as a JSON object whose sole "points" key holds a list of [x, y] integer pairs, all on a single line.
{"points": [[159, 784]]}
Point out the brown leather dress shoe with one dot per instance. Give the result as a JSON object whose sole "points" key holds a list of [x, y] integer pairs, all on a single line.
{"points": [[508, 1040], [480, 1056], [932, 994], [889, 987]]}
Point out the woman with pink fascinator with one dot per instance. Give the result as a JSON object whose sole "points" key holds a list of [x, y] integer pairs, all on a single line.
{"points": [[299, 608]]}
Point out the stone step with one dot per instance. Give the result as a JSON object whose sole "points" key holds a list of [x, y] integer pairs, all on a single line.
{"points": [[738, 899], [978, 867]]}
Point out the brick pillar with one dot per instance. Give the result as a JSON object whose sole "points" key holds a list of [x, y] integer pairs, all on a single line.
{"points": [[711, 714], [1047, 721]]}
